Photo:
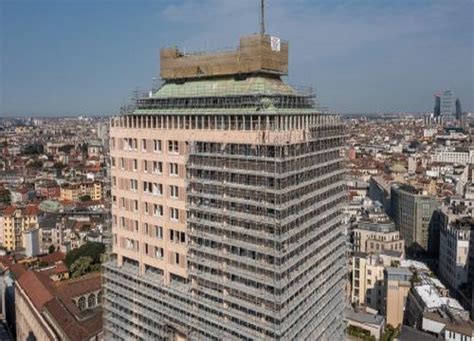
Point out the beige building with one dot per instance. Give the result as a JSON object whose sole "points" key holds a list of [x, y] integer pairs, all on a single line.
{"points": [[73, 192], [16, 221], [377, 236], [368, 278], [218, 181], [397, 285]]}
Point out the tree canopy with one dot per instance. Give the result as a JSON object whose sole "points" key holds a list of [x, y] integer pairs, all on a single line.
{"points": [[91, 249]]}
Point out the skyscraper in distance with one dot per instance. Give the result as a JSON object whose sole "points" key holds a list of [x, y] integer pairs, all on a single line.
{"points": [[437, 107], [227, 188], [458, 111], [447, 102]]}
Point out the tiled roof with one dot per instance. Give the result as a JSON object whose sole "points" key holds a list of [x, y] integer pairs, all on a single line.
{"points": [[53, 258]]}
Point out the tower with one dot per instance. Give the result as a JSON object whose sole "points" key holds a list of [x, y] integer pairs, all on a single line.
{"points": [[227, 189]]}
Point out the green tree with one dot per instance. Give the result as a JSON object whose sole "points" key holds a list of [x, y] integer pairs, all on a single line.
{"points": [[91, 249], [81, 266], [85, 197]]}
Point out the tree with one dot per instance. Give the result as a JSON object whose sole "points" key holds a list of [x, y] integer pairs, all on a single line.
{"points": [[51, 248], [91, 249], [85, 197], [81, 266]]}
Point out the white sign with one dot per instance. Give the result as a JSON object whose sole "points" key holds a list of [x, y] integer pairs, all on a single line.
{"points": [[275, 43]]}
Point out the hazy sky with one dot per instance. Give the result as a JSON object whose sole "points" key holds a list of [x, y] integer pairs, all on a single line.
{"points": [[68, 57]]}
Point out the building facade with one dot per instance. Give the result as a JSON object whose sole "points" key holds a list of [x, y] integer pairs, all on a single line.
{"points": [[227, 190], [412, 213], [397, 285], [377, 236], [16, 221], [73, 192], [454, 250]]}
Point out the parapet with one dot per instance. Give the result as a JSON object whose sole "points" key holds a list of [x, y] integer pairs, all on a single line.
{"points": [[256, 54]]}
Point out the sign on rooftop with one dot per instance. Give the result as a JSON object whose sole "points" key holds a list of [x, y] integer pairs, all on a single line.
{"points": [[275, 43]]}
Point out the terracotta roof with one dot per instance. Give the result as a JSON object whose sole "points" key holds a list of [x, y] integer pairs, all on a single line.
{"points": [[53, 258], [37, 287], [56, 300], [9, 210]]}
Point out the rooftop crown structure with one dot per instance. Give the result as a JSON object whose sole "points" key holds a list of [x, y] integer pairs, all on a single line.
{"points": [[227, 189], [257, 54]]}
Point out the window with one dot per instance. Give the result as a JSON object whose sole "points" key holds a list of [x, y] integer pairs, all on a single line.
{"points": [[157, 167], [145, 166], [174, 213], [157, 189], [174, 191], [144, 145], [114, 200], [122, 163], [91, 301], [159, 232], [174, 169], [133, 184], [135, 144], [146, 229], [157, 146], [135, 165], [176, 258], [173, 147], [114, 181], [157, 210], [159, 252], [135, 205], [81, 303], [113, 162]]}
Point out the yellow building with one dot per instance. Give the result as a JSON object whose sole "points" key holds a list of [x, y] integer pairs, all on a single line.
{"points": [[73, 192], [16, 221], [397, 286]]}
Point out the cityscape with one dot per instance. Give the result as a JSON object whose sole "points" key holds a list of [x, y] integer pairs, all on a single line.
{"points": [[224, 203]]}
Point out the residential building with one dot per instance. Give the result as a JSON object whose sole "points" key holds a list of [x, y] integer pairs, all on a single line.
{"points": [[73, 192], [227, 191], [376, 236], [455, 238], [17, 220], [367, 280]]}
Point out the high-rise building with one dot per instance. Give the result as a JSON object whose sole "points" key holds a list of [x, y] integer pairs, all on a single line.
{"points": [[458, 110], [447, 102], [437, 107], [227, 190]]}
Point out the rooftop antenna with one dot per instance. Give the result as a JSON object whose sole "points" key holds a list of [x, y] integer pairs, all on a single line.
{"points": [[262, 17]]}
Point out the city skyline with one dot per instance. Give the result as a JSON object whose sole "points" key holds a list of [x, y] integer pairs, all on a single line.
{"points": [[61, 56]]}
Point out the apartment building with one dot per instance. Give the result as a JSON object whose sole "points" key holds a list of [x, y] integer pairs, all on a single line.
{"points": [[376, 236], [73, 192], [227, 191], [16, 221], [454, 250], [368, 278]]}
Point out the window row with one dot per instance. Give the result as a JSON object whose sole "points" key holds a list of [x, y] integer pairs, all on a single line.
{"points": [[132, 144], [155, 167]]}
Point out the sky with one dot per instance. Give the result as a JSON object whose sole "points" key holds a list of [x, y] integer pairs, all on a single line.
{"points": [[73, 57]]}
